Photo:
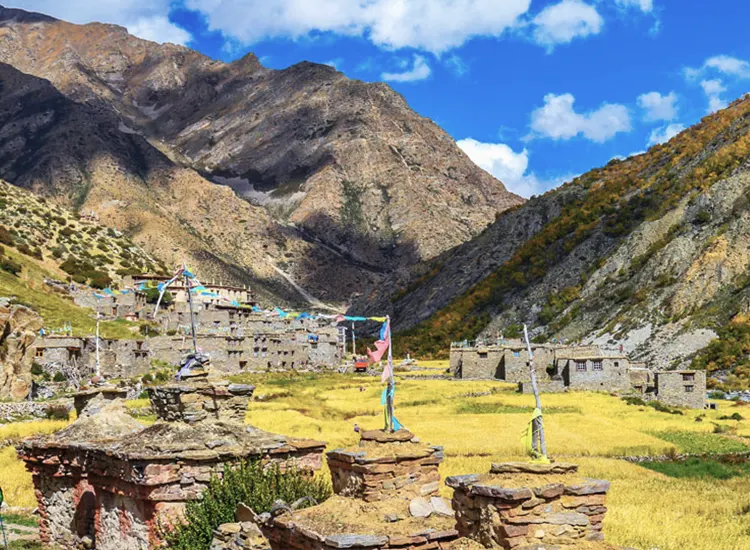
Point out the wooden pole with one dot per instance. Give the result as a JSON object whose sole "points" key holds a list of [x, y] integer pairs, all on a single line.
{"points": [[354, 343], [192, 318], [538, 424], [97, 372], [391, 380]]}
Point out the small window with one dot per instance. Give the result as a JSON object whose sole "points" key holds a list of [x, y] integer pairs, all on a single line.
{"points": [[516, 353], [688, 377], [617, 364], [596, 365], [581, 366], [689, 389], [483, 355], [638, 388], [39, 352]]}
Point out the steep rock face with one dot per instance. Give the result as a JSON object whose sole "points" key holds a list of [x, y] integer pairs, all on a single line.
{"points": [[346, 162], [19, 326]]}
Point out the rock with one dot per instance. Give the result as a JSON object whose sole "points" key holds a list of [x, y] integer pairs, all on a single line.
{"points": [[420, 508], [381, 436], [19, 326], [244, 513], [392, 518], [429, 488], [355, 541], [533, 468], [441, 507], [229, 528]]}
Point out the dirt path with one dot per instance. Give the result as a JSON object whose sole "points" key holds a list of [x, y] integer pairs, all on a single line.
{"points": [[16, 532]]}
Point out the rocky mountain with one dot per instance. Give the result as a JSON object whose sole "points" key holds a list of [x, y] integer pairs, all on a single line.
{"points": [[651, 252], [341, 177]]}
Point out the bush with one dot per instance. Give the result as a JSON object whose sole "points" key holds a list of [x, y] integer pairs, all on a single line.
{"points": [[249, 483], [99, 279], [36, 369], [717, 394], [152, 295], [147, 378], [57, 412], [9, 266], [733, 416], [634, 400], [59, 377]]}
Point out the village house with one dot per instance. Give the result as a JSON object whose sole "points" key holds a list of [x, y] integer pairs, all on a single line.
{"points": [[564, 368]]}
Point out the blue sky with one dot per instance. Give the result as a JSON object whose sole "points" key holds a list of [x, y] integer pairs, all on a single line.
{"points": [[535, 91]]}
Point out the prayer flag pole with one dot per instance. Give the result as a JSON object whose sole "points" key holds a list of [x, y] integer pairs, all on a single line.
{"points": [[537, 423], [190, 305], [391, 381]]}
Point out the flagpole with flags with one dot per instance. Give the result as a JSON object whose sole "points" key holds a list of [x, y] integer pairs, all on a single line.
{"points": [[391, 381]]}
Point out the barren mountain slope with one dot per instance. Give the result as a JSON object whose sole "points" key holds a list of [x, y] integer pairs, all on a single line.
{"points": [[80, 156], [348, 163]]}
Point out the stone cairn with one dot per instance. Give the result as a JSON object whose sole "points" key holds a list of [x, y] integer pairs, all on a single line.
{"points": [[386, 481], [523, 505], [409, 471]]}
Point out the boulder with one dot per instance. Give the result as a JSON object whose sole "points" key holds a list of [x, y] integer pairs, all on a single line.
{"points": [[19, 327]]}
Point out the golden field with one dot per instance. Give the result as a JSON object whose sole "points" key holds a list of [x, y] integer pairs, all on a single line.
{"points": [[647, 509]]}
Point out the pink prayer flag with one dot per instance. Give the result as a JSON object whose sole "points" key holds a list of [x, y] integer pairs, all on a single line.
{"points": [[381, 346], [340, 318]]}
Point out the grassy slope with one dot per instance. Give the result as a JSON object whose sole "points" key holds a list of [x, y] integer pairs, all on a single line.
{"points": [[618, 198], [29, 289]]}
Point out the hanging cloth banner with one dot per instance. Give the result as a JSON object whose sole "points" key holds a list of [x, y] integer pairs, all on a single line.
{"points": [[378, 319], [527, 438], [381, 346]]}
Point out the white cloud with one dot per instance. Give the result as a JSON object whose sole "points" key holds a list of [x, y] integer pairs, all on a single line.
{"points": [[645, 6], [430, 25], [456, 65], [723, 64], [664, 134], [729, 65], [145, 19], [419, 71], [335, 63], [713, 90], [657, 106], [561, 23], [508, 166], [558, 120]]}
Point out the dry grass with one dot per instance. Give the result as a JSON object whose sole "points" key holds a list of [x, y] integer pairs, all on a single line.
{"points": [[647, 509]]}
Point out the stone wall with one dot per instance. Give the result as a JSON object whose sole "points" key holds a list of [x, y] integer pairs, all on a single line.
{"points": [[36, 409], [685, 388], [190, 402], [386, 466], [285, 350], [560, 509], [595, 373]]}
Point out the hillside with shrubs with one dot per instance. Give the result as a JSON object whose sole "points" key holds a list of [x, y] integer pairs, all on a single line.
{"points": [[43, 244], [651, 253]]}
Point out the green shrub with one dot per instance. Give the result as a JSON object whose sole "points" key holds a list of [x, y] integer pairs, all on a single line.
{"points": [[633, 400], [152, 295], [36, 369], [59, 377], [147, 378], [67, 231], [249, 483], [717, 394], [733, 416], [9, 266], [99, 279], [57, 412]]}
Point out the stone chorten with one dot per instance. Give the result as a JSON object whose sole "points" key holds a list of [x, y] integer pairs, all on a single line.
{"points": [[386, 497], [528, 506], [107, 481]]}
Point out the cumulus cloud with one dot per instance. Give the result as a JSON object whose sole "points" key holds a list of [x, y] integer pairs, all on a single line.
{"points": [[557, 119], [510, 167], [664, 134], [148, 20], [723, 64], [561, 23], [645, 6], [419, 71], [713, 89], [431, 25], [657, 106]]}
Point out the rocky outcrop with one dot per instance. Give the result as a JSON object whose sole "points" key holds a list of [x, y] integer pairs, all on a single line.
{"points": [[19, 327], [352, 183]]}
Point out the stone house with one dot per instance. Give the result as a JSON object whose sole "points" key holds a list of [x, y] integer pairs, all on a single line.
{"points": [[681, 388], [561, 368]]}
